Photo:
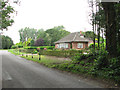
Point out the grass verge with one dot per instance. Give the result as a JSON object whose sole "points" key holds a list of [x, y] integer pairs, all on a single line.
{"points": [[16, 52], [44, 60]]}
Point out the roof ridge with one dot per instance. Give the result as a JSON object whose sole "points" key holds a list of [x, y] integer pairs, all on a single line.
{"points": [[75, 36]]}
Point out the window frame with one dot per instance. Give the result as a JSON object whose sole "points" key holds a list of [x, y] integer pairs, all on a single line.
{"points": [[63, 45], [79, 45]]}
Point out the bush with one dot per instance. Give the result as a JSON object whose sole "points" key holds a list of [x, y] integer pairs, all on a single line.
{"points": [[60, 53], [79, 56], [101, 60], [20, 46], [14, 47], [35, 51], [96, 45], [41, 47]]}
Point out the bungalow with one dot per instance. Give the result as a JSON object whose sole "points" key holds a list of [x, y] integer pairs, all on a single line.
{"points": [[74, 40]]}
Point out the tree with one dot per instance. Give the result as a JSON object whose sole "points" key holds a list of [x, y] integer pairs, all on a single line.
{"points": [[117, 7], [5, 14], [56, 33], [45, 36], [27, 33], [89, 34], [7, 42], [39, 42], [49, 36], [111, 30], [92, 19], [27, 43], [32, 43]]}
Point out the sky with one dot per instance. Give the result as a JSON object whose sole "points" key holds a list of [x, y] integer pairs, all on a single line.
{"points": [[72, 14]]}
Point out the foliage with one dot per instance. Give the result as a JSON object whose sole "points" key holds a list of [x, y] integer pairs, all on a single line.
{"points": [[27, 33], [35, 51], [32, 42], [39, 42], [60, 53], [6, 18], [45, 36], [96, 45], [89, 34], [27, 43], [56, 33], [14, 47], [7, 42], [101, 61], [49, 36], [41, 47], [20, 43]]}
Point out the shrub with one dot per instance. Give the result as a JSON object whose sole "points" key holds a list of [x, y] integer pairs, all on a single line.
{"points": [[34, 51], [20, 46], [60, 53], [14, 47], [101, 60], [41, 47], [79, 57]]}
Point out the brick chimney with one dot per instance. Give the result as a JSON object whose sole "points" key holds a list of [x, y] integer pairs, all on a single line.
{"points": [[80, 32], [81, 35]]}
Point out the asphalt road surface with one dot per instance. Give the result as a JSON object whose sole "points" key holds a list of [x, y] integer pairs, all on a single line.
{"points": [[21, 73]]}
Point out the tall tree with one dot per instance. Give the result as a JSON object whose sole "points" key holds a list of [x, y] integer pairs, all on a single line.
{"points": [[111, 30], [27, 33], [92, 19], [39, 42], [57, 33], [7, 42]]}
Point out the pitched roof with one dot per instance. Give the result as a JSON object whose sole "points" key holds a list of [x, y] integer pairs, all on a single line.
{"points": [[73, 37]]}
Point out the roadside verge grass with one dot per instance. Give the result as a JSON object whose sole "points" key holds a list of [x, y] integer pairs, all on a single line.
{"points": [[45, 60], [15, 52]]}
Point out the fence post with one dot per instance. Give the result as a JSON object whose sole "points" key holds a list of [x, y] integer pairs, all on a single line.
{"points": [[39, 56], [32, 54]]}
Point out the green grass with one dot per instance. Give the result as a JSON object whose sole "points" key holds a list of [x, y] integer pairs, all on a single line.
{"points": [[44, 60], [15, 51]]}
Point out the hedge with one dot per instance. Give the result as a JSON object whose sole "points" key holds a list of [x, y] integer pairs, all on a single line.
{"points": [[60, 53], [41, 47], [16, 46]]}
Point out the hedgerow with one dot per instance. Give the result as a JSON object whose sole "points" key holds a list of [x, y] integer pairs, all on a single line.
{"points": [[60, 53], [41, 47]]}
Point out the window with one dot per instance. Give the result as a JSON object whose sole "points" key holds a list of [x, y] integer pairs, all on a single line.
{"points": [[66, 45], [63, 45], [80, 45]]}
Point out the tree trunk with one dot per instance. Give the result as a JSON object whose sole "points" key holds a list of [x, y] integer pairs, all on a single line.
{"points": [[99, 37], [93, 24], [118, 28], [102, 39], [110, 15]]}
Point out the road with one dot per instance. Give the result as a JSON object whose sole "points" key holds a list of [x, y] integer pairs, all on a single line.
{"points": [[21, 73]]}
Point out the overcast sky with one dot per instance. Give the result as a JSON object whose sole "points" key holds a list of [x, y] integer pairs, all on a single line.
{"points": [[72, 14]]}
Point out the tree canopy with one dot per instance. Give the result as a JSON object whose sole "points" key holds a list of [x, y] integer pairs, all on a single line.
{"points": [[5, 18], [49, 36], [7, 42], [105, 17]]}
